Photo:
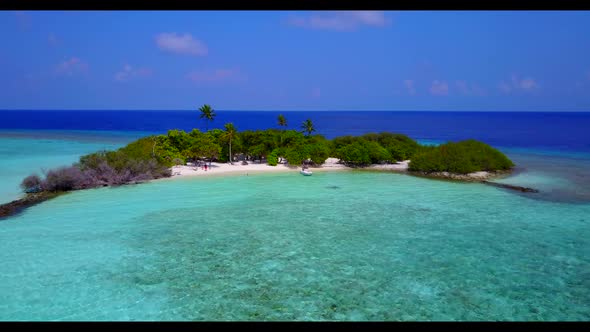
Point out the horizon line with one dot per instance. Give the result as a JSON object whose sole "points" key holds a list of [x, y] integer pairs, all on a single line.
{"points": [[278, 110]]}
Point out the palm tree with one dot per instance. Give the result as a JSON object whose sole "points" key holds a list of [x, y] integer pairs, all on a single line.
{"points": [[230, 134], [207, 113], [308, 127], [282, 121]]}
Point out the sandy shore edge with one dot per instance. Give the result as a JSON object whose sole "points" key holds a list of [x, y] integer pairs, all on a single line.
{"points": [[237, 168], [331, 164]]}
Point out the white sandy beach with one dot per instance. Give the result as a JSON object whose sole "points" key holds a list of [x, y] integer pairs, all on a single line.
{"points": [[226, 168], [331, 164], [401, 166]]}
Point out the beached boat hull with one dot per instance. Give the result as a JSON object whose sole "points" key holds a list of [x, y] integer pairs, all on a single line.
{"points": [[306, 173]]}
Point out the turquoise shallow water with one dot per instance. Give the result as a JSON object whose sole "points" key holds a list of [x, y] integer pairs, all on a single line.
{"points": [[559, 177], [334, 246]]}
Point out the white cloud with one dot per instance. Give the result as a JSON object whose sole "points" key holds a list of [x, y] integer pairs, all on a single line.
{"points": [[468, 89], [370, 17], [518, 84], [439, 88], [181, 44], [341, 20], [211, 76], [410, 87], [71, 67], [128, 72], [528, 84]]}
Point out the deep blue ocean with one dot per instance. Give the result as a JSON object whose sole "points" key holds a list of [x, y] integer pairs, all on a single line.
{"points": [[558, 131]]}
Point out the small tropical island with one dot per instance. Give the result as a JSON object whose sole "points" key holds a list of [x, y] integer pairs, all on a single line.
{"points": [[217, 151]]}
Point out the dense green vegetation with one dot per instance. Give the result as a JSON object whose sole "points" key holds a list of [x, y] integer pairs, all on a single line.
{"points": [[374, 148], [151, 157], [178, 146], [461, 158]]}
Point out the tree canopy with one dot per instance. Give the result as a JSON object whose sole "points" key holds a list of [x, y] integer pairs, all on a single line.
{"points": [[150, 157], [461, 157]]}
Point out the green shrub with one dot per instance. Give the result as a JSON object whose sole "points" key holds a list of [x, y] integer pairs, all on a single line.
{"points": [[292, 138], [355, 154], [376, 152], [462, 157], [342, 141], [179, 139], [143, 148], [273, 158], [204, 146], [93, 160], [399, 146], [295, 155], [319, 152]]}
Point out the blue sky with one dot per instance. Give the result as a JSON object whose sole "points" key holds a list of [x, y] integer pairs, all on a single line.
{"points": [[287, 60]]}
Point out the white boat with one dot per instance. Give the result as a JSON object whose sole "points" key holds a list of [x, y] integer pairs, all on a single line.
{"points": [[306, 172]]}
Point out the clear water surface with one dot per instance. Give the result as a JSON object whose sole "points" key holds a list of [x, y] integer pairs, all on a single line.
{"points": [[334, 246]]}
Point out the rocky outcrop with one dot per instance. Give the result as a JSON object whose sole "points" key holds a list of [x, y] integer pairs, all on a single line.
{"points": [[512, 187], [470, 177], [482, 177], [14, 207]]}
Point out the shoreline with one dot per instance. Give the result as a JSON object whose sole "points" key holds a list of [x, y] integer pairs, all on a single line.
{"points": [[330, 165], [220, 169], [226, 169]]}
